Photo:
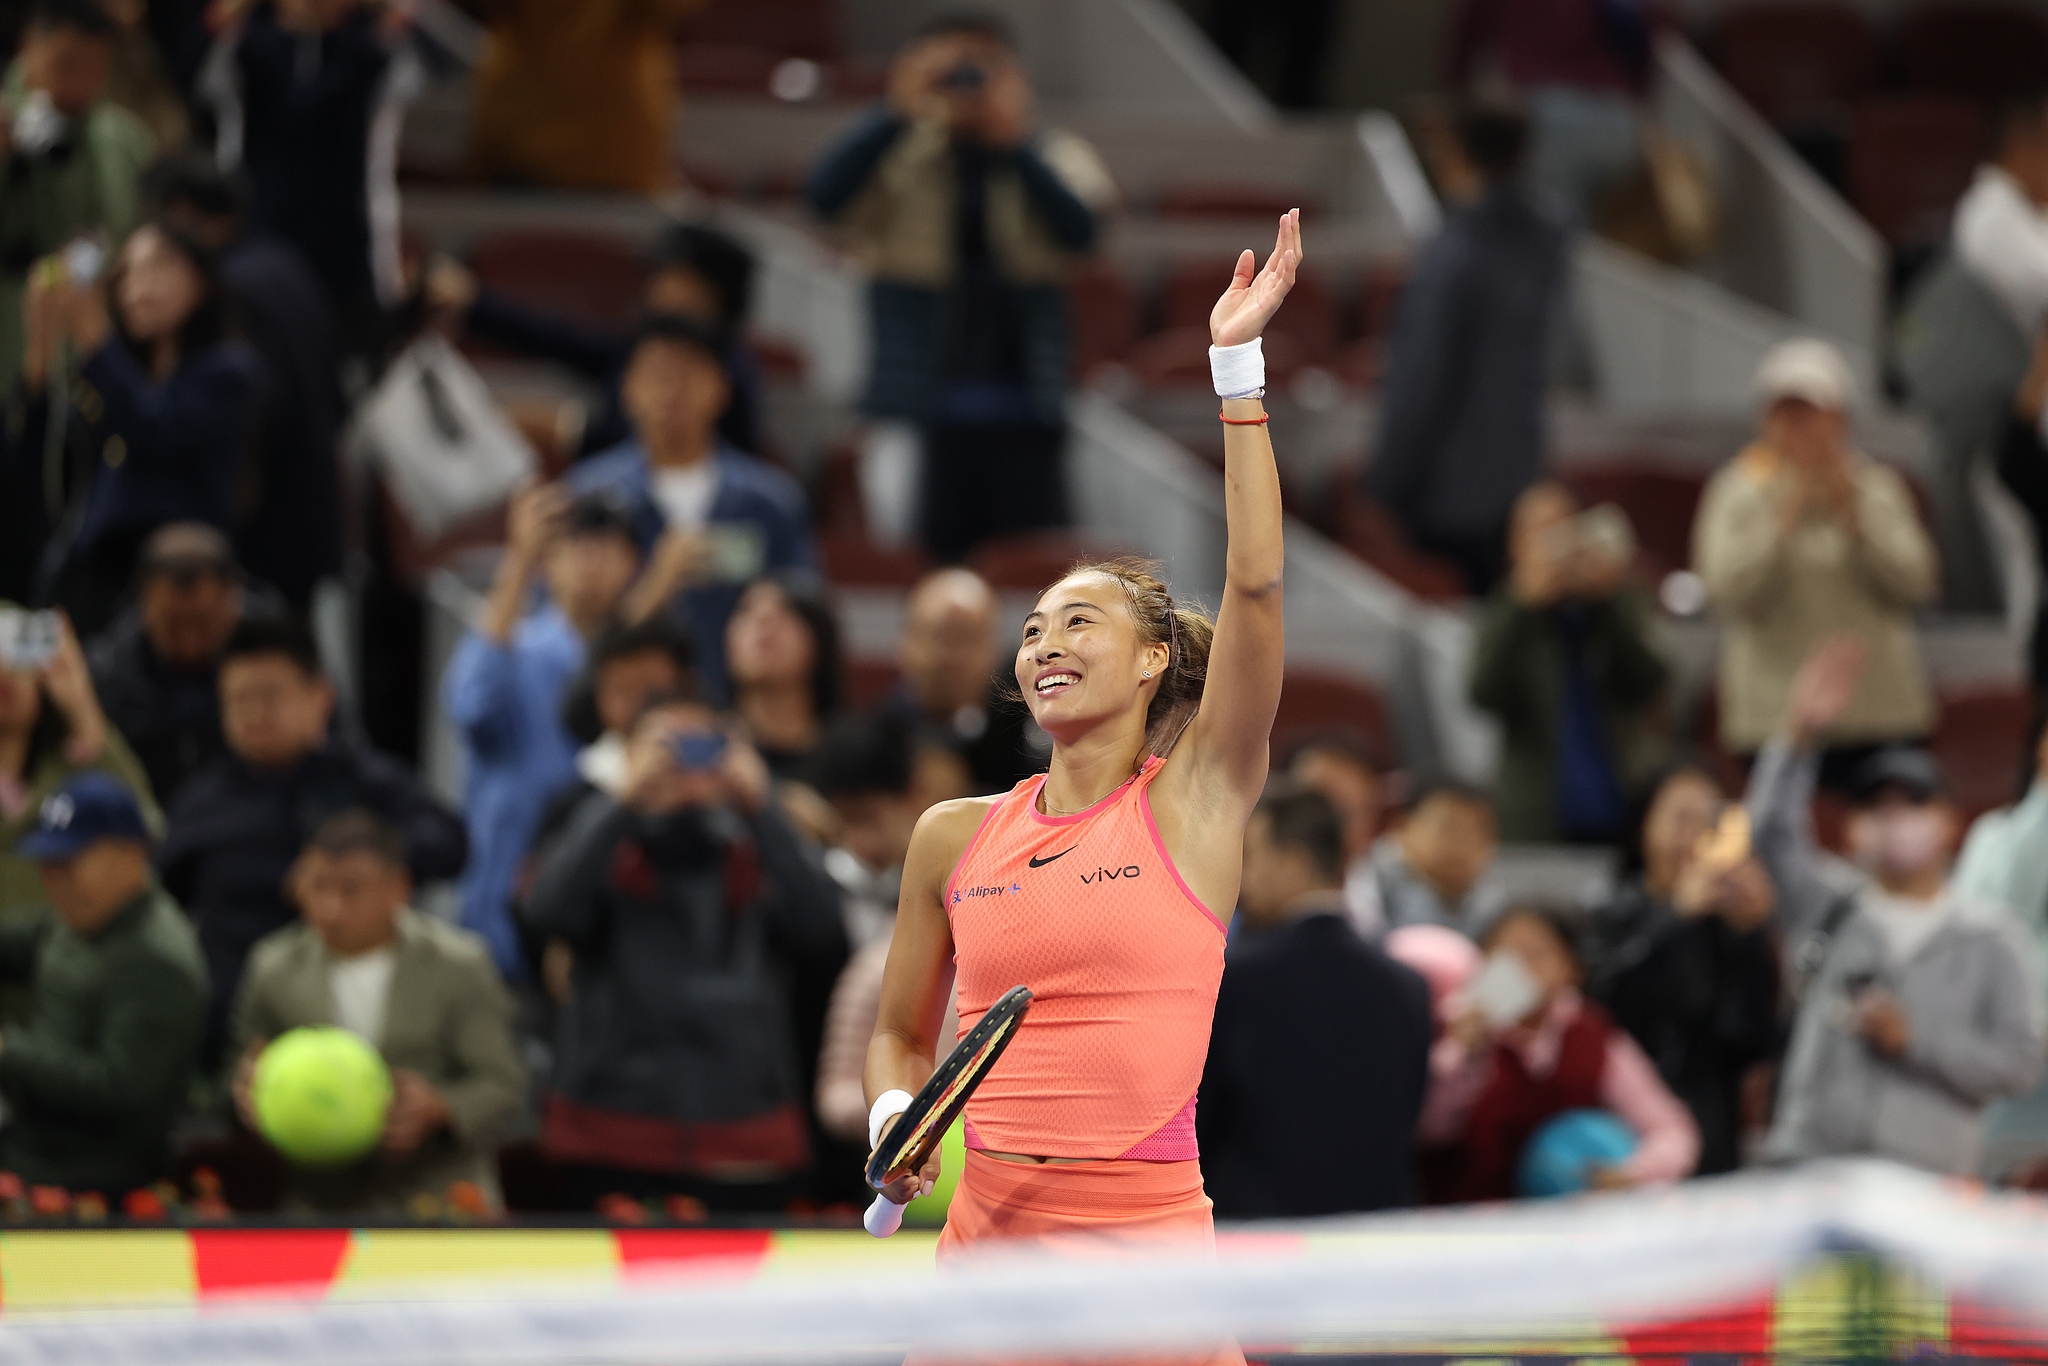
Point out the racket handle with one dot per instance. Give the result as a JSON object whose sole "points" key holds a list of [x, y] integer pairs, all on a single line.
{"points": [[883, 1218]]}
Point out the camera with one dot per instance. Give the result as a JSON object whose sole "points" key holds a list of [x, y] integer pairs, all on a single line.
{"points": [[699, 751], [28, 640], [963, 78]]}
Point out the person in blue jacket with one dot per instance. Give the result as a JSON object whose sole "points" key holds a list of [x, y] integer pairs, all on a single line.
{"points": [[135, 403], [505, 687], [711, 518]]}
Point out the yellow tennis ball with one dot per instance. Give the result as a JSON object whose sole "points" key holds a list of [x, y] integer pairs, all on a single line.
{"points": [[320, 1096], [929, 1211]]}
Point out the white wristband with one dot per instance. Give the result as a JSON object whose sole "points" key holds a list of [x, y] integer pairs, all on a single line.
{"points": [[1239, 371], [886, 1108]]}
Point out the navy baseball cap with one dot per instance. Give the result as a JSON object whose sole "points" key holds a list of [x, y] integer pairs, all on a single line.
{"points": [[1906, 769], [88, 807]]}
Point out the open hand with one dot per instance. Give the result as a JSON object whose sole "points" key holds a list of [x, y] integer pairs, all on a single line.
{"points": [[1253, 298], [1824, 685]]}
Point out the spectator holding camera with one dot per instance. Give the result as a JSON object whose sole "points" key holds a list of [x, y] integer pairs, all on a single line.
{"points": [[1800, 537], [1565, 661], [424, 994], [967, 222], [52, 729], [237, 828], [157, 667], [686, 901], [157, 420], [71, 159], [1919, 1006], [1682, 956], [97, 1075], [710, 518], [504, 687]]}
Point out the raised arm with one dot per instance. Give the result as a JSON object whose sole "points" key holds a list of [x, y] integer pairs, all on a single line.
{"points": [[1226, 742]]}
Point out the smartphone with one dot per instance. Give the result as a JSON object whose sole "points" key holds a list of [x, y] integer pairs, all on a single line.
{"points": [[699, 751], [28, 640], [739, 551], [84, 259], [1606, 532], [1505, 991]]}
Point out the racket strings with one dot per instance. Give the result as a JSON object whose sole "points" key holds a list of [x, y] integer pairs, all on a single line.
{"points": [[963, 1080]]}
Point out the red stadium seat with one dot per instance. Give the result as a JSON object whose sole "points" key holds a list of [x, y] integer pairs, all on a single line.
{"points": [[594, 277], [1370, 532], [733, 68], [1314, 700], [869, 681], [1310, 317], [1973, 49], [789, 28], [1660, 503], [1910, 158], [1798, 63], [1033, 560], [854, 561], [1102, 314], [1981, 741], [1229, 201]]}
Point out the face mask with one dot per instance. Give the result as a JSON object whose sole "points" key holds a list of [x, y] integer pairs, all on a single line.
{"points": [[1899, 843]]}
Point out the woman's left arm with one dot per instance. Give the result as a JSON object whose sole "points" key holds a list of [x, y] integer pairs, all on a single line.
{"points": [[1227, 740]]}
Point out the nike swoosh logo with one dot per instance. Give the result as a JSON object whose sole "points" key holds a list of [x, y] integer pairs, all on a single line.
{"points": [[1041, 862]]}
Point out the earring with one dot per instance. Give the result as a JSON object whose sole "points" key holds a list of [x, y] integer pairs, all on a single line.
{"points": [[1147, 674]]}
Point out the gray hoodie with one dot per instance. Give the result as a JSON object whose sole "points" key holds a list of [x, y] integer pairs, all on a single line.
{"points": [[1966, 988]]}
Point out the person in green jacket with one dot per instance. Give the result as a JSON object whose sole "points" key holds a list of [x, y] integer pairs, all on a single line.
{"points": [[1565, 661], [51, 729], [98, 1075]]}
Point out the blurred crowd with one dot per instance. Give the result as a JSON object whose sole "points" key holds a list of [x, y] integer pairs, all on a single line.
{"points": [[675, 861]]}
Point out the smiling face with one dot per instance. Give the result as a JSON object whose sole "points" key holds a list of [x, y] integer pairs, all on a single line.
{"points": [[1082, 660]]}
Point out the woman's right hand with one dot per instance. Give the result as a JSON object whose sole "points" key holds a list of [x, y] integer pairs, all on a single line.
{"points": [[921, 1182]]}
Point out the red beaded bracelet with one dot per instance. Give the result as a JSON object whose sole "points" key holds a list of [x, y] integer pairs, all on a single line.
{"points": [[1258, 421]]}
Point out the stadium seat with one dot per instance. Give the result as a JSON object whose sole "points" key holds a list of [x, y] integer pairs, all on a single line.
{"points": [[591, 276], [1102, 315], [1798, 64], [789, 28], [1660, 503], [1981, 741], [1031, 560], [1910, 158], [731, 68], [854, 561], [1314, 700], [1973, 49], [1195, 200], [1310, 317], [869, 681], [1370, 532]]}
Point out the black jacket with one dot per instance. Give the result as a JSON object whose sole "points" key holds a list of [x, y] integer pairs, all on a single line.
{"points": [[687, 931], [1701, 999], [1461, 433], [1317, 1066], [232, 835]]}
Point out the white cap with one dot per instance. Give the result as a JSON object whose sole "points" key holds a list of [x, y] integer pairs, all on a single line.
{"points": [[1806, 368]]}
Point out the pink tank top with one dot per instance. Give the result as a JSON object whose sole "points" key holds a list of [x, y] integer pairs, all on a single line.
{"points": [[1123, 964]]}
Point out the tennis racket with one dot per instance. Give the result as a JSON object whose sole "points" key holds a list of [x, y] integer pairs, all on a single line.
{"points": [[938, 1103]]}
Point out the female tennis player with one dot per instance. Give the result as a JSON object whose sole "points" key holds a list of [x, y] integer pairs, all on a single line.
{"points": [[1105, 884]]}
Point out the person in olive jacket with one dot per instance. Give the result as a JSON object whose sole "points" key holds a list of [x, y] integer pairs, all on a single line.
{"points": [[98, 1075], [1565, 662]]}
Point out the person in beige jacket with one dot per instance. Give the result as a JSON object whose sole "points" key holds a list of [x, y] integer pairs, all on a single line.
{"points": [[424, 993], [1800, 538]]}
